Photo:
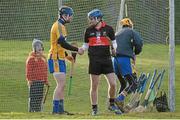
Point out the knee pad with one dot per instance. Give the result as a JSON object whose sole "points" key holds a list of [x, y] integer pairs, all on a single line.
{"points": [[134, 75], [122, 83], [132, 83]]}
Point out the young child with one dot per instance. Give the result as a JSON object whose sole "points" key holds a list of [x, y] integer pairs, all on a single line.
{"points": [[36, 75]]}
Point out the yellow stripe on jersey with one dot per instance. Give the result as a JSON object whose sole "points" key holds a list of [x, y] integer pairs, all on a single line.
{"points": [[56, 66], [56, 51]]}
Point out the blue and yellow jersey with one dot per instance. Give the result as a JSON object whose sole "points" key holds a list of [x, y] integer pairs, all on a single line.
{"points": [[56, 51]]}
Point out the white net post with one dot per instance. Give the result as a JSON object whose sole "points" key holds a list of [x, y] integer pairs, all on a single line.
{"points": [[171, 57], [59, 3], [121, 14]]}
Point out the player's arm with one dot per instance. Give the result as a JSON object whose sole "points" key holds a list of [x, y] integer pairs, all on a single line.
{"points": [[114, 44], [29, 69], [137, 42], [111, 37], [85, 45], [53, 41], [66, 45]]}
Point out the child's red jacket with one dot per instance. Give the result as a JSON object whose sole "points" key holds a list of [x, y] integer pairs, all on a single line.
{"points": [[36, 67]]}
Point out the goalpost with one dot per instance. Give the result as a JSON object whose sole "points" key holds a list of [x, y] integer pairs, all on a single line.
{"points": [[171, 56]]}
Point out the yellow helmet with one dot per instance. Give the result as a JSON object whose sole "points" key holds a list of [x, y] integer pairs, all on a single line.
{"points": [[126, 21]]}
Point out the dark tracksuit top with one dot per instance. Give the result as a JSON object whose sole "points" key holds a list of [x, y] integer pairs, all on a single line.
{"points": [[129, 43]]}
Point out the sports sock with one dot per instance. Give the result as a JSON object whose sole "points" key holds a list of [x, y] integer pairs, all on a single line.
{"points": [[55, 106], [61, 106], [121, 97], [94, 107], [111, 101]]}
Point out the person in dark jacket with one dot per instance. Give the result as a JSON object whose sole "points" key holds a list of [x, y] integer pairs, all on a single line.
{"points": [[129, 44]]}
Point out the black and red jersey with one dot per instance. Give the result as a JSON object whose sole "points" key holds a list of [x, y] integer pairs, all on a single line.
{"points": [[99, 40]]}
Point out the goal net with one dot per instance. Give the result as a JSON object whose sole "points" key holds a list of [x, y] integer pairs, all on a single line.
{"points": [[151, 20], [22, 21]]}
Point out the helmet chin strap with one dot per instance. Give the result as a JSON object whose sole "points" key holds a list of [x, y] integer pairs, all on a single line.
{"points": [[62, 20], [97, 22]]}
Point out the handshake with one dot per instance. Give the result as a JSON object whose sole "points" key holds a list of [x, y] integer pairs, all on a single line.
{"points": [[80, 51]]}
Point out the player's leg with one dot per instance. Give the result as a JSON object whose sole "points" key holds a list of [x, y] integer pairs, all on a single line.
{"points": [[130, 88], [111, 92], [58, 68], [123, 83], [128, 77], [94, 71], [107, 69], [94, 93], [58, 96], [117, 70], [111, 85]]}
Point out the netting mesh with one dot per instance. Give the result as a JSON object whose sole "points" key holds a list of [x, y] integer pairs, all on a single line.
{"points": [[23, 20], [76, 29], [150, 18], [36, 96], [26, 19]]}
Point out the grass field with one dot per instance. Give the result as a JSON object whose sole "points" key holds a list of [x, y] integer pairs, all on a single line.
{"points": [[14, 90]]}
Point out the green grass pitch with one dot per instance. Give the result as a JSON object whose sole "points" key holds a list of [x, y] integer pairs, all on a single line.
{"points": [[14, 90]]}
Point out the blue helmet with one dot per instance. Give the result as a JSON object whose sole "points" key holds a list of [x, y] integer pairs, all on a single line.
{"points": [[66, 10], [96, 13]]}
